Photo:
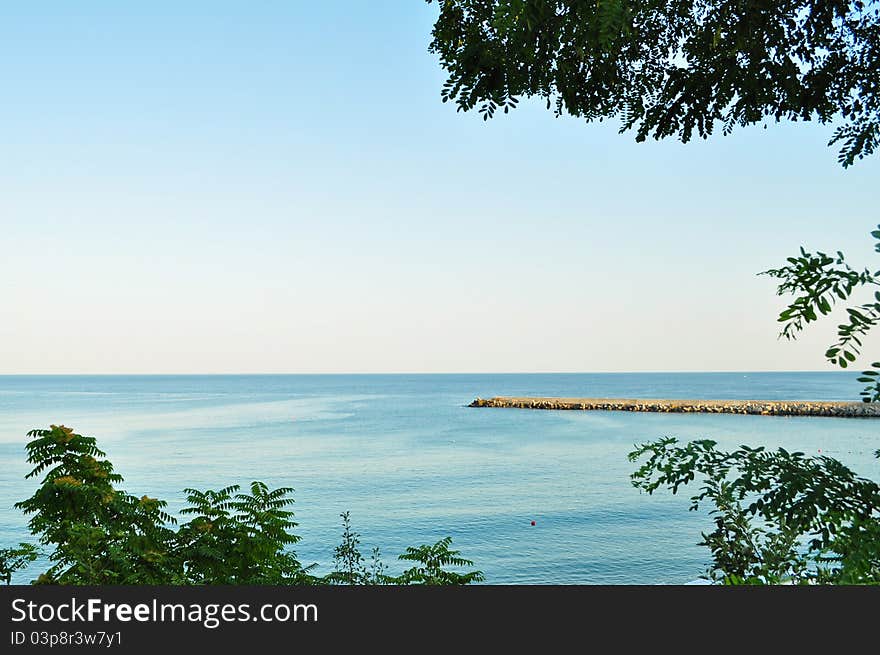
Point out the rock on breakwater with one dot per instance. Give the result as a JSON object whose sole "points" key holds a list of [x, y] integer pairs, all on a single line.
{"points": [[761, 407]]}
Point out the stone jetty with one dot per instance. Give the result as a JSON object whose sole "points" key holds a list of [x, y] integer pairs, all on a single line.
{"points": [[761, 407]]}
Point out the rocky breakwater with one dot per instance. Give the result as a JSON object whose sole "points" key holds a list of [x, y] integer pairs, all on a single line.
{"points": [[761, 407]]}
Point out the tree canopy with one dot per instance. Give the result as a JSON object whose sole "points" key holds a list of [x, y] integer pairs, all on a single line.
{"points": [[671, 67]]}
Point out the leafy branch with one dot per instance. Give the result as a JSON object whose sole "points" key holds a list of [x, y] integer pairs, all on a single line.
{"points": [[819, 281], [13, 559]]}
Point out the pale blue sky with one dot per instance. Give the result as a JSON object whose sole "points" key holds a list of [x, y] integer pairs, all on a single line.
{"points": [[277, 187]]}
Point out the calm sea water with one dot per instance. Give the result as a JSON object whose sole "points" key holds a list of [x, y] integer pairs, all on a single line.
{"points": [[413, 464]]}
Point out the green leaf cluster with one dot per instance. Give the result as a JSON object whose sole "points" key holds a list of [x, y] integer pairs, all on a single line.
{"points": [[819, 281], [13, 559]]}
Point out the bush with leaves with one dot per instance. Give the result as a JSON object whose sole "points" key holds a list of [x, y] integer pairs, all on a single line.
{"points": [[240, 538], [779, 516], [99, 534], [434, 562], [431, 560]]}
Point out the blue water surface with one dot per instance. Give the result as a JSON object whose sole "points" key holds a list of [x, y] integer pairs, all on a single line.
{"points": [[412, 463]]}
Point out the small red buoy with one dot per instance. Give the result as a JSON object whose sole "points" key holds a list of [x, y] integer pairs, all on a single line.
{"points": [[820, 450], [533, 523]]}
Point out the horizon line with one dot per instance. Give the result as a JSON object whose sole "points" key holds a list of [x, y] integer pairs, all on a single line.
{"points": [[366, 373]]}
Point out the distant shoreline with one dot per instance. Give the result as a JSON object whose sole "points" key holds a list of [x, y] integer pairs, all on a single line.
{"points": [[757, 407]]}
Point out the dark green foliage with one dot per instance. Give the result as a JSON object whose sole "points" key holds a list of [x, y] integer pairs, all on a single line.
{"points": [[102, 535], [742, 552], [819, 281], [239, 538], [670, 67], [779, 516], [431, 559], [13, 559]]}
